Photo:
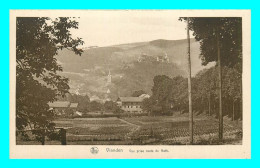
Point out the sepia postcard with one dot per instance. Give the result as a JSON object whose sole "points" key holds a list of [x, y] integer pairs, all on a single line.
{"points": [[130, 84]]}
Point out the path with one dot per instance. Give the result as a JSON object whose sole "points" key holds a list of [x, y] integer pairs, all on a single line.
{"points": [[135, 129]]}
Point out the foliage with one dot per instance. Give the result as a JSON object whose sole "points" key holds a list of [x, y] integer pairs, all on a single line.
{"points": [[229, 30], [171, 94], [112, 106], [147, 104], [38, 40], [83, 102], [220, 40], [162, 92], [95, 106]]}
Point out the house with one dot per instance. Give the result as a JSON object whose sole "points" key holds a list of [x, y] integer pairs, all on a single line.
{"points": [[77, 113], [162, 58], [73, 106], [95, 98], [59, 107], [142, 57], [130, 104], [63, 107]]}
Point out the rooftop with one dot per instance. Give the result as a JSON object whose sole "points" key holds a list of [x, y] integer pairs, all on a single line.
{"points": [[130, 99], [74, 105], [144, 96], [59, 104]]}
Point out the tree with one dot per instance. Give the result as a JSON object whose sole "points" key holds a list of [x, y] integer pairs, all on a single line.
{"points": [[204, 93], [231, 88], [147, 104], [189, 84], [205, 89], [221, 41], [180, 94], [38, 39], [95, 106], [111, 106], [83, 103], [162, 95]]}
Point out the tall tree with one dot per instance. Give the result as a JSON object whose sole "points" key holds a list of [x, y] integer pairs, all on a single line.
{"points": [[189, 83], [38, 39], [231, 88], [162, 93], [221, 41], [83, 103], [205, 88]]}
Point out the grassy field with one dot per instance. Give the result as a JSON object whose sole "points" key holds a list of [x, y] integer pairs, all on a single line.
{"points": [[160, 130]]}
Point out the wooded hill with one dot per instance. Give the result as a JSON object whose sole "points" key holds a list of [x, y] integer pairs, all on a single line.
{"points": [[89, 71]]}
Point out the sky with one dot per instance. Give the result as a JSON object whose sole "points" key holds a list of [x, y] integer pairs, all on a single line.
{"points": [[105, 28]]}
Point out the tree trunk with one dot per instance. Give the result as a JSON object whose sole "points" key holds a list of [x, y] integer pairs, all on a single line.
{"points": [[43, 137], [209, 104], [189, 85], [233, 114], [220, 91], [214, 107]]}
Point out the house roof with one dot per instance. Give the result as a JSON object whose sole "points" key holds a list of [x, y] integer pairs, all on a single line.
{"points": [[59, 104], [74, 105], [130, 99], [144, 96]]}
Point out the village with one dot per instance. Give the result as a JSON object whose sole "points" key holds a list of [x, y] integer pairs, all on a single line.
{"points": [[130, 105]]}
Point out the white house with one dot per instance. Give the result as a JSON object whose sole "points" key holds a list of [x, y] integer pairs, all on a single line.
{"points": [[130, 104]]}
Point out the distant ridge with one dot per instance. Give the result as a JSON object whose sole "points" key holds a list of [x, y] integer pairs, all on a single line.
{"points": [[127, 73]]}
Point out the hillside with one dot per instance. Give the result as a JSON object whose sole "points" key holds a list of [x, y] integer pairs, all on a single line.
{"points": [[88, 73]]}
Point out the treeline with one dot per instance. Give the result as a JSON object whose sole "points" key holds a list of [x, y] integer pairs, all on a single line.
{"points": [[171, 94], [85, 105]]}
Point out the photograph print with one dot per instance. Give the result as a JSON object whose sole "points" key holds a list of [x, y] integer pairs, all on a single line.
{"points": [[129, 77]]}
